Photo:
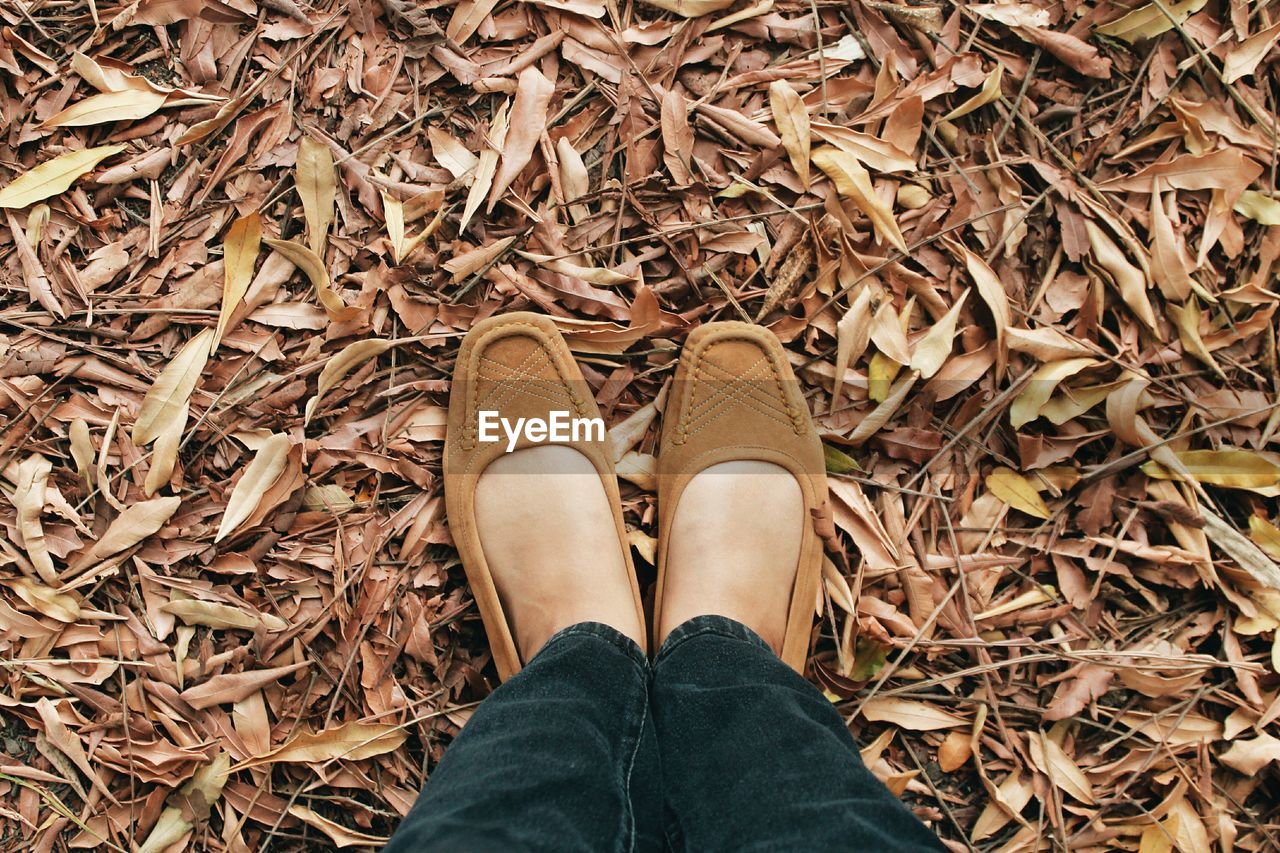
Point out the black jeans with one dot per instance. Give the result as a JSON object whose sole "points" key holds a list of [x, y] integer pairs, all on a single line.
{"points": [[717, 745]]}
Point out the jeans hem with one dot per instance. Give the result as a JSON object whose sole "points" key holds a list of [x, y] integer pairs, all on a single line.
{"points": [[607, 633], [720, 626]]}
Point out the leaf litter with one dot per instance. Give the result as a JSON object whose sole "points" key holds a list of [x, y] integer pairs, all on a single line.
{"points": [[1023, 258]]}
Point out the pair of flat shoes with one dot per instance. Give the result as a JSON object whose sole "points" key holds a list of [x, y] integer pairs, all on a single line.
{"points": [[734, 398]]}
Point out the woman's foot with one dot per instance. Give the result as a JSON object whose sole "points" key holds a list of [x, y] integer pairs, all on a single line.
{"points": [[740, 474], [552, 547], [734, 549]]}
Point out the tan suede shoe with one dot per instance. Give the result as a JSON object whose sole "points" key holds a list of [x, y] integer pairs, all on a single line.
{"points": [[735, 398], [519, 366]]}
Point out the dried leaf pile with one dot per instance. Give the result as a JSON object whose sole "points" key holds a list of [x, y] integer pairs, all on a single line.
{"points": [[1023, 255]]}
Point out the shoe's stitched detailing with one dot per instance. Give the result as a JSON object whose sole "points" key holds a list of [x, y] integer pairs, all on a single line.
{"points": [[537, 375], [729, 387]]}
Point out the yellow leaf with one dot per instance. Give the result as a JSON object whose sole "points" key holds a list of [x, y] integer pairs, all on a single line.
{"points": [[1266, 535], [955, 750], [109, 78], [1063, 772], [53, 176], [393, 215], [1231, 468], [262, 471], [990, 91], [1030, 598], [871, 151], [887, 334], [854, 183], [164, 453], [932, 350], [1170, 264], [640, 469], [311, 264], [192, 802], [575, 181], [37, 219], [239, 254], [1260, 208], [1150, 21], [164, 408], [128, 105], [1045, 344], [1015, 490], [317, 187], [625, 435], [350, 357], [1029, 403], [791, 117], [350, 742], [451, 153]]}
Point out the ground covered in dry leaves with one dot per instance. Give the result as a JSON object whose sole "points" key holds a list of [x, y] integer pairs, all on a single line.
{"points": [[1022, 255]]}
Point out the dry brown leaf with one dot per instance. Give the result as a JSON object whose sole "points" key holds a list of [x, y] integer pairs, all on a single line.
{"points": [[853, 182], [239, 256], [127, 105], [53, 176], [931, 351], [993, 294], [28, 499], [228, 688], [1151, 20], [317, 187], [486, 165], [990, 92], [909, 714], [134, 524], [791, 117], [349, 742], [258, 476], [527, 122], [311, 264], [340, 835]]}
